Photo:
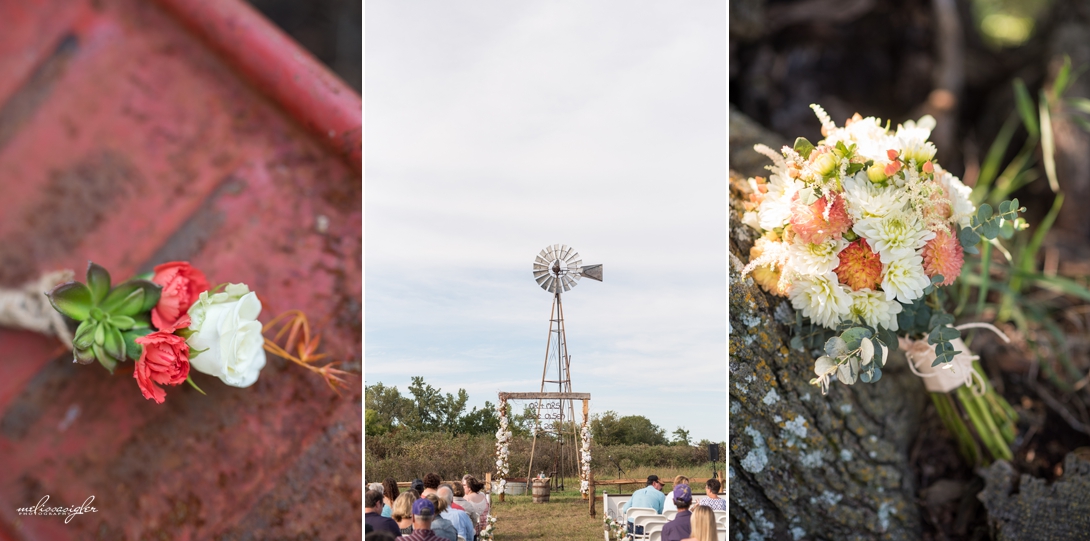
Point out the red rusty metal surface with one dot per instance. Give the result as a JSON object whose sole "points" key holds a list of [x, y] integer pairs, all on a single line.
{"points": [[125, 138]]}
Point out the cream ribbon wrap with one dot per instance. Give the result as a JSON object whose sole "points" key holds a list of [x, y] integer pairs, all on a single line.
{"points": [[28, 308], [947, 376]]}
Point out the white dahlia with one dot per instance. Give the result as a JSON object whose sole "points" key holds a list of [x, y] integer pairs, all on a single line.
{"points": [[815, 259], [868, 200], [895, 236], [874, 309], [821, 298], [905, 279]]}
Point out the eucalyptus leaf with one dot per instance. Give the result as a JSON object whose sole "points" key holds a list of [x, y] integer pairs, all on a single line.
{"points": [[804, 147], [866, 351], [836, 347], [852, 336], [823, 365]]}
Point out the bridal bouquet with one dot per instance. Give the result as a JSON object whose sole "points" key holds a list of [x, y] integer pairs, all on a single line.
{"points": [[171, 321], [862, 232]]}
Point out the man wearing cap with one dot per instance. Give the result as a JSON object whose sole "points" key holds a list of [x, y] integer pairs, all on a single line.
{"points": [[679, 528], [648, 496], [423, 515], [372, 514]]}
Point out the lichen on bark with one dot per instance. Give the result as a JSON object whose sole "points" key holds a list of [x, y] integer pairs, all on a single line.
{"points": [[803, 465]]}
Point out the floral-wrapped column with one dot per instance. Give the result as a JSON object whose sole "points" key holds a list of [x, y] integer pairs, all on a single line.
{"points": [[584, 473], [503, 439]]}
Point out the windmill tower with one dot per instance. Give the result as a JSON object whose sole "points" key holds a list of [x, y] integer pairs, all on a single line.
{"points": [[558, 268]]}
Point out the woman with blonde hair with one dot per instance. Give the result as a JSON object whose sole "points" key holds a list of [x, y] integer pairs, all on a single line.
{"points": [[702, 525], [402, 511], [669, 503]]}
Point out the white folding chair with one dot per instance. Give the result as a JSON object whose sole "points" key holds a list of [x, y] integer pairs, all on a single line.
{"points": [[655, 536], [634, 512], [460, 538], [647, 522], [722, 534], [720, 516], [669, 514], [655, 526]]}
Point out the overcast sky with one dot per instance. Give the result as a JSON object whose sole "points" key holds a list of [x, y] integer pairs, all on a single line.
{"points": [[495, 128]]}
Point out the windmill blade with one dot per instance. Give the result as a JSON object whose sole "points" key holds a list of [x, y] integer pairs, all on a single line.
{"points": [[540, 273], [547, 284], [594, 272], [574, 265], [541, 279]]}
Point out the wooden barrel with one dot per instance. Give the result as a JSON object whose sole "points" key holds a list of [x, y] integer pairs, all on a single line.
{"points": [[540, 490]]}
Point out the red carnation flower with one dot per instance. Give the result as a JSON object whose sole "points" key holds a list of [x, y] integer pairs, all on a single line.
{"points": [[810, 224], [182, 285], [165, 360], [943, 255], [859, 267]]}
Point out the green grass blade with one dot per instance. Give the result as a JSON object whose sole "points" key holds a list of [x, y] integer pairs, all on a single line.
{"points": [[1048, 146], [990, 168], [1025, 108], [985, 277]]}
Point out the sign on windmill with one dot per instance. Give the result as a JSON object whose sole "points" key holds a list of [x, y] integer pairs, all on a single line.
{"points": [[557, 269]]}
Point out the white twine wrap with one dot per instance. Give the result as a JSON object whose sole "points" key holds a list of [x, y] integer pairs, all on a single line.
{"points": [[28, 308], [947, 376], [584, 454]]}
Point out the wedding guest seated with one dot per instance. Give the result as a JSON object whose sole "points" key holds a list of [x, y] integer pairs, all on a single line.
{"points": [[389, 495], [418, 486], [476, 501], [649, 496], [372, 509], [462, 523], [460, 502], [378, 535], [403, 510], [702, 524], [424, 515], [668, 505], [713, 500], [680, 527], [439, 525], [431, 484]]}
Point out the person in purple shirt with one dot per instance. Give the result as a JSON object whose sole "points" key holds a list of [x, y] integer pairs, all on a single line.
{"points": [[372, 509], [680, 527], [423, 516]]}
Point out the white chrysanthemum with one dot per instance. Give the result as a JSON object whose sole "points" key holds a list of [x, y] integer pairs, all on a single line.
{"points": [[875, 309], [866, 199], [917, 150], [895, 236], [919, 130], [963, 209], [775, 209], [821, 298], [904, 279], [870, 137], [814, 259]]}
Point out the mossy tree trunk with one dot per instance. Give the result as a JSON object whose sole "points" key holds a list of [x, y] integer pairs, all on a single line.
{"points": [[803, 465]]}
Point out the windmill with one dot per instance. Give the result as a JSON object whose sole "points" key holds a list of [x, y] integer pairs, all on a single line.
{"points": [[558, 268]]}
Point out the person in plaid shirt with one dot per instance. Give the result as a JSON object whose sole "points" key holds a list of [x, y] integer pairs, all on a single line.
{"points": [[423, 515]]}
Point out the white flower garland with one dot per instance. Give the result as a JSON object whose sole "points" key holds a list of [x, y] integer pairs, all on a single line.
{"points": [[488, 531], [616, 529], [584, 475], [503, 440]]}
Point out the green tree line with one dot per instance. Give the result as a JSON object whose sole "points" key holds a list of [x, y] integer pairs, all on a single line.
{"points": [[428, 409]]}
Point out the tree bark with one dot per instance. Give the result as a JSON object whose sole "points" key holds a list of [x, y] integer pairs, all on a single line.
{"points": [[803, 465]]}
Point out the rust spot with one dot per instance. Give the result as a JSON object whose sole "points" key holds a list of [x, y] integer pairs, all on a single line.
{"points": [[74, 202]]}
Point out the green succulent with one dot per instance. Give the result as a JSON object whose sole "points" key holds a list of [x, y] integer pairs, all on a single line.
{"points": [[111, 318]]}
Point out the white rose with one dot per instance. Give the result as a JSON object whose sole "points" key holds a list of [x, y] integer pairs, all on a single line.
{"points": [[228, 335]]}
